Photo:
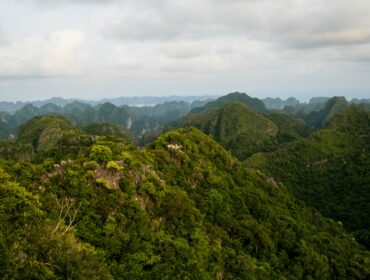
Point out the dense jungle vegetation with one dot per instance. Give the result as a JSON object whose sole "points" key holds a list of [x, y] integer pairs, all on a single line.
{"points": [[230, 190]]}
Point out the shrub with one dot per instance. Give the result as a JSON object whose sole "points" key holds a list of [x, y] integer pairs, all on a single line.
{"points": [[100, 153]]}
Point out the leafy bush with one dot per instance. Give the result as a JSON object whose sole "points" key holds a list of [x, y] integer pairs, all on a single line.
{"points": [[100, 153]]}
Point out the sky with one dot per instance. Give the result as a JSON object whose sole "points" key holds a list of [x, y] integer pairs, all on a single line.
{"points": [[95, 49]]}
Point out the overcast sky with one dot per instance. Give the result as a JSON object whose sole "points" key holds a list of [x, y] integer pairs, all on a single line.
{"points": [[106, 48]]}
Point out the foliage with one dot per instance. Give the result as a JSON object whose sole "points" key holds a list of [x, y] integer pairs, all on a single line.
{"points": [[101, 153], [245, 132], [254, 103], [105, 128], [182, 208], [329, 170], [44, 132], [102, 119]]}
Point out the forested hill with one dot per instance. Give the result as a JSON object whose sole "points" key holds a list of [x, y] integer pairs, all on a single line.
{"points": [[329, 170], [82, 206], [244, 131], [139, 101], [133, 120], [145, 123], [254, 103]]}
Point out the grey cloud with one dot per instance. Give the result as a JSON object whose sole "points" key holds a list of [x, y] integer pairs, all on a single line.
{"points": [[231, 43], [303, 24], [74, 1], [350, 37], [3, 39], [54, 3], [142, 29]]}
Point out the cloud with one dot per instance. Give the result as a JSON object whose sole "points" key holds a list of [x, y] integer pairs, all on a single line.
{"points": [[3, 38], [304, 23], [57, 54], [228, 43], [346, 37], [51, 3], [190, 57], [144, 26]]}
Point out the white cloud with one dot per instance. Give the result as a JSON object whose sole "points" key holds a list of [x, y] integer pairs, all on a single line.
{"points": [[345, 37], [225, 43], [291, 22], [58, 54], [190, 57], [3, 38]]}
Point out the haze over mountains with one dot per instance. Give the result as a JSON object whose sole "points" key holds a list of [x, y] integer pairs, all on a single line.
{"points": [[140, 120], [270, 103], [119, 101]]}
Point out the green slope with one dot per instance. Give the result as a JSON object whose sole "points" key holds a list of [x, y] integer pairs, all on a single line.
{"points": [[236, 127], [319, 118], [244, 131], [289, 128], [182, 208], [329, 170], [44, 132], [254, 103]]}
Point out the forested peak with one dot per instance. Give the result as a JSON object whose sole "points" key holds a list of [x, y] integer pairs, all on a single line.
{"points": [[44, 131], [333, 106], [282, 119], [50, 107], [336, 100], [41, 122], [192, 144], [76, 105], [236, 126], [329, 169], [236, 118], [105, 128], [352, 120], [28, 107], [236, 105], [238, 108], [106, 106], [253, 103]]}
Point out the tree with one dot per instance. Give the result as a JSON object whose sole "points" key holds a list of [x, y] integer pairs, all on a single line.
{"points": [[100, 153]]}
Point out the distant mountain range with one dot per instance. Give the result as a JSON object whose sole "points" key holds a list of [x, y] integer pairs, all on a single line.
{"points": [[314, 103], [139, 101], [145, 122]]}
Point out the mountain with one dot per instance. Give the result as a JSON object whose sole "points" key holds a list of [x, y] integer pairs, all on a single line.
{"points": [[318, 100], [253, 103], [289, 128], [302, 109], [105, 128], [145, 120], [45, 132], [236, 127], [6, 127], [11, 107], [135, 120], [333, 106], [150, 101], [277, 103], [244, 131], [360, 101], [182, 208], [329, 170]]}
